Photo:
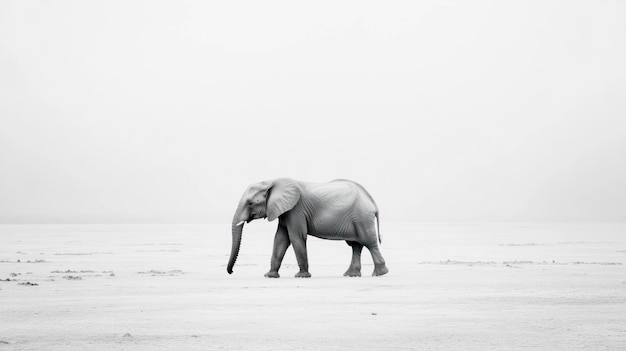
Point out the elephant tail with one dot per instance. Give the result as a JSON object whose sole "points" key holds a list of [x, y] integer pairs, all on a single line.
{"points": [[378, 226]]}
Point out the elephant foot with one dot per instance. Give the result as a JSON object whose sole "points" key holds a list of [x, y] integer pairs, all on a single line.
{"points": [[271, 274], [303, 275], [352, 273], [380, 270]]}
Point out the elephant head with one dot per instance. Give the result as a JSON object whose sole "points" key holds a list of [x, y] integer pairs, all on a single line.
{"points": [[268, 199]]}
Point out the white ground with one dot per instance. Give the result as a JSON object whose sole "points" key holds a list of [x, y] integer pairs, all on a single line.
{"points": [[450, 287]]}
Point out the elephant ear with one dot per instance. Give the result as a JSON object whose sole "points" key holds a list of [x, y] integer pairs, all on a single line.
{"points": [[283, 196]]}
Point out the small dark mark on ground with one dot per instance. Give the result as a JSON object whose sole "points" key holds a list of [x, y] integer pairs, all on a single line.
{"points": [[517, 262], [600, 263], [72, 277], [28, 284], [174, 272], [127, 335]]}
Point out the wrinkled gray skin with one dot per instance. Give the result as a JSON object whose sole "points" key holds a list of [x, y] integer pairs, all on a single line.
{"points": [[337, 210]]}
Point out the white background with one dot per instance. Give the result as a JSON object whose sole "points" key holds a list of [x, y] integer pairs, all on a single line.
{"points": [[118, 111]]}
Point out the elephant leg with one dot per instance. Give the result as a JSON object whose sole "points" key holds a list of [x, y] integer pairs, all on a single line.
{"points": [[281, 243], [355, 266], [379, 262], [370, 241], [298, 241]]}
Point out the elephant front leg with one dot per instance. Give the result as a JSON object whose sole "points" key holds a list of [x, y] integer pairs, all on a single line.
{"points": [[355, 266], [298, 241], [281, 243]]}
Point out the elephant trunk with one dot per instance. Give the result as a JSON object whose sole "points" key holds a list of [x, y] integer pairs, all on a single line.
{"points": [[241, 215], [234, 251]]}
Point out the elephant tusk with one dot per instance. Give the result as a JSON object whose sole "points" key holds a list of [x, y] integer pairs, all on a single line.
{"points": [[240, 223]]}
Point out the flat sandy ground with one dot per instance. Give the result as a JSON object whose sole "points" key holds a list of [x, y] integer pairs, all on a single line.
{"points": [[450, 287]]}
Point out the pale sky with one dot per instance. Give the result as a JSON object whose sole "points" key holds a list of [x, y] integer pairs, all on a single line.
{"points": [[154, 111]]}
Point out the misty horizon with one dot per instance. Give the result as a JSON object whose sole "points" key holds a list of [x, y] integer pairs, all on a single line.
{"points": [[446, 112]]}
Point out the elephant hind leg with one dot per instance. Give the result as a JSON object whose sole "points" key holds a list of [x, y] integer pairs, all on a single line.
{"points": [[366, 231], [355, 265], [380, 268]]}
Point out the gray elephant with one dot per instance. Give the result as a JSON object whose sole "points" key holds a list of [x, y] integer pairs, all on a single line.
{"points": [[337, 210]]}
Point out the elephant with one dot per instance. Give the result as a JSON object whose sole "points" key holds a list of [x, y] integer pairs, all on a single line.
{"points": [[336, 210]]}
